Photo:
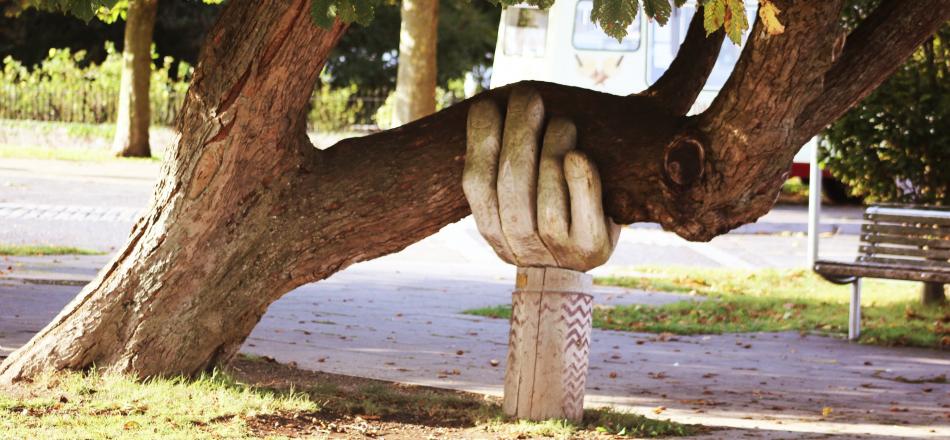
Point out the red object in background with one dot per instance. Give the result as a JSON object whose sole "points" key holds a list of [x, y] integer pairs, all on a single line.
{"points": [[801, 170]]}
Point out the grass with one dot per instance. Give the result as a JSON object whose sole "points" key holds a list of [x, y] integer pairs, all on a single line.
{"points": [[424, 405], [602, 420], [43, 250], [72, 129], [78, 405], [74, 154], [260, 398], [768, 301]]}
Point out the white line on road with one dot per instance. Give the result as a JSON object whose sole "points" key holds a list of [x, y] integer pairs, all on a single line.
{"points": [[67, 213]]}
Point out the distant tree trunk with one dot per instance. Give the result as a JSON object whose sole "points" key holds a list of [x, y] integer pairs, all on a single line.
{"points": [[132, 121], [247, 209], [416, 76], [933, 294]]}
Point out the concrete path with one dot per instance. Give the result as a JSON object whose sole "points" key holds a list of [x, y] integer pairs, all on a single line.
{"points": [[398, 318]]}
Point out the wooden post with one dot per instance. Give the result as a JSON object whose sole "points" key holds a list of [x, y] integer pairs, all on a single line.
{"points": [[549, 344], [933, 294]]}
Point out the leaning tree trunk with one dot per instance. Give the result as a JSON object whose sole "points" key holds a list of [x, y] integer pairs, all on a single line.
{"points": [[134, 115], [416, 75], [247, 209]]}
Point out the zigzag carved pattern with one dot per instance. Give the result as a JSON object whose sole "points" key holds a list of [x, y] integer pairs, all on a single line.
{"points": [[515, 335], [576, 318]]}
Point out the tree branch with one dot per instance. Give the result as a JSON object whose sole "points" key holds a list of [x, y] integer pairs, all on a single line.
{"points": [[679, 86], [870, 55]]}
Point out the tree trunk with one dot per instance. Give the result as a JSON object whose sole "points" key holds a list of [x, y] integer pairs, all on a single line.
{"points": [[416, 75], [247, 209], [134, 116], [932, 294]]}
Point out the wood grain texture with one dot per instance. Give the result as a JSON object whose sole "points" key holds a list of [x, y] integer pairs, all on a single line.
{"points": [[549, 345], [248, 210]]}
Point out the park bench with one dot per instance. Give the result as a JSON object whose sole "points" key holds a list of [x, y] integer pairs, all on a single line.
{"points": [[898, 242]]}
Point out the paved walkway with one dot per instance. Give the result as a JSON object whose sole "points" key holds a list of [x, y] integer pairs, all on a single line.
{"points": [[397, 318]]}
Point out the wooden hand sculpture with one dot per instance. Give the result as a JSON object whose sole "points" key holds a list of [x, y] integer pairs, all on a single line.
{"points": [[536, 210], [541, 211]]}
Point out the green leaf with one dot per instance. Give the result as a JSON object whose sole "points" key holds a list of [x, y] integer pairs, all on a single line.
{"points": [[658, 10], [714, 15], [614, 16], [320, 11], [736, 21]]}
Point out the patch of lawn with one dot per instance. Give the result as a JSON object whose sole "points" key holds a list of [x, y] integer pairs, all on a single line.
{"points": [[87, 405], [260, 398], [72, 129], [771, 300], [43, 250], [73, 154], [601, 421]]}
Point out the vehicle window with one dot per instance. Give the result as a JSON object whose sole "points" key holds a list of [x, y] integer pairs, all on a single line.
{"points": [[589, 36], [665, 42], [526, 31]]}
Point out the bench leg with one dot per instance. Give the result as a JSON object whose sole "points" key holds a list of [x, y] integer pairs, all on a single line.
{"points": [[854, 312]]}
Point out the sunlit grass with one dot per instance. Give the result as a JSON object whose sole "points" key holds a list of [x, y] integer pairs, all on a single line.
{"points": [[78, 405], [602, 420], [770, 300], [74, 154], [42, 250], [293, 403]]}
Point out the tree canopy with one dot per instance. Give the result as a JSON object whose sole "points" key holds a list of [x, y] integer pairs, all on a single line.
{"points": [[895, 145], [614, 16]]}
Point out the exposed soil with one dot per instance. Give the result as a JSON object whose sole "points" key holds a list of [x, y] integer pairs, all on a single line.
{"points": [[407, 423]]}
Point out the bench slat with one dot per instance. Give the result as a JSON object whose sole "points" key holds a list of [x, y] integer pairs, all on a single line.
{"points": [[935, 254], [873, 270], [905, 240], [908, 230], [928, 264], [900, 219], [937, 216]]}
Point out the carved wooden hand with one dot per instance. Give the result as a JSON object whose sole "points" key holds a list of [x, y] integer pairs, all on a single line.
{"points": [[536, 210]]}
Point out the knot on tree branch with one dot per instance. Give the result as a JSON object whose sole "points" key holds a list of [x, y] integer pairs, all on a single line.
{"points": [[683, 160]]}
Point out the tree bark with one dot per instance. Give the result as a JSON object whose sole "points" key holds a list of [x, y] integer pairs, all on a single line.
{"points": [[247, 209], [134, 115], [416, 75]]}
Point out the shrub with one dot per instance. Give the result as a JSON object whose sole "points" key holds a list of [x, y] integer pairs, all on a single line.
{"points": [[65, 87], [895, 145]]}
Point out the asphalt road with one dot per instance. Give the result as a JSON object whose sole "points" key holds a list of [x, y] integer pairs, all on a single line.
{"points": [[94, 206], [397, 317]]}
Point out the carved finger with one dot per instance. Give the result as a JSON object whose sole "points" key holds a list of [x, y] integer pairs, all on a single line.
{"points": [[554, 212], [518, 179], [479, 179], [590, 229]]}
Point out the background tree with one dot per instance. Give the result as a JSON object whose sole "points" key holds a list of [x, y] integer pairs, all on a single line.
{"points": [[368, 55], [895, 145], [134, 110], [180, 27], [247, 209], [416, 75]]}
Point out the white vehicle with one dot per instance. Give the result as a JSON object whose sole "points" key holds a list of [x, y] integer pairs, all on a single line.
{"points": [[562, 45]]}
